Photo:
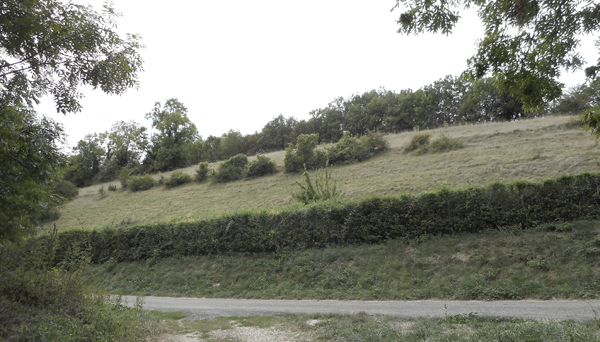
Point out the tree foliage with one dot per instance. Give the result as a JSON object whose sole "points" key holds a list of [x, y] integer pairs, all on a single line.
{"points": [[50, 47], [527, 43], [29, 158], [53, 47], [127, 142], [176, 133], [86, 161]]}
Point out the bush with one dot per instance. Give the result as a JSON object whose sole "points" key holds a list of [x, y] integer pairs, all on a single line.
{"points": [[260, 167], [445, 144], [302, 155], [178, 178], [347, 150], [140, 183], [201, 172], [352, 150], [124, 177], [232, 169], [418, 141], [112, 187], [420, 144], [65, 189]]}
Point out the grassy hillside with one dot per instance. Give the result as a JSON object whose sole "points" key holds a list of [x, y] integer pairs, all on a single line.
{"points": [[492, 265], [529, 149]]}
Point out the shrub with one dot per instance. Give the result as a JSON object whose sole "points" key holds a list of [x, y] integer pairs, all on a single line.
{"points": [[347, 150], [352, 150], [260, 167], [302, 155], [420, 144], [418, 141], [445, 144], [201, 172], [112, 187], [232, 169], [140, 183], [124, 177], [374, 142], [65, 189], [178, 178], [324, 188]]}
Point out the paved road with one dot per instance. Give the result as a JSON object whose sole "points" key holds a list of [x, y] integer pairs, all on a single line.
{"points": [[204, 308]]}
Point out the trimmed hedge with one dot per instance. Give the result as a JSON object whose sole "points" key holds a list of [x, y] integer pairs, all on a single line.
{"points": [[447, 211]]}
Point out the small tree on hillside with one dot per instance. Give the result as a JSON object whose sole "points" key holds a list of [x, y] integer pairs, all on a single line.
{"points": [[303, 155]]}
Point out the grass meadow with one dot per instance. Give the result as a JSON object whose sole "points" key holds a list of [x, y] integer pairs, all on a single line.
{"points": [[528, 149]]}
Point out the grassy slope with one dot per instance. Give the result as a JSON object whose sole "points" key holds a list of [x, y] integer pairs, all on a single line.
{"points": [[491, 265], [530, 149]]}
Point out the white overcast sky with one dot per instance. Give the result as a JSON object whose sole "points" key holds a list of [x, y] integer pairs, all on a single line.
{"points": [[237, 64]]}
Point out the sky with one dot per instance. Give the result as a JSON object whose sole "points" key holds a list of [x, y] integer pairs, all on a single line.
{"points": [[237, 64]]}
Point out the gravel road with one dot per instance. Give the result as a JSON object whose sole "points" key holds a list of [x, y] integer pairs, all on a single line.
{"points": [[205, 308]]}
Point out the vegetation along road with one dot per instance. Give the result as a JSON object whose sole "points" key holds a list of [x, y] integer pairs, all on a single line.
{"points": [[532, 309]]}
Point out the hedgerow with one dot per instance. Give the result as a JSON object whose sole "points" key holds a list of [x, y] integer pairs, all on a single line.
{"points": [[523, 204]]}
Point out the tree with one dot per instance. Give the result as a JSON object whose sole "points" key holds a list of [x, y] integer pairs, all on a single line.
{"points": [[483, 102], [89, 155], [527, 43], [233, 143], [127, 142], [49, 47], [175, 132], [277, 134], [29, 158]]}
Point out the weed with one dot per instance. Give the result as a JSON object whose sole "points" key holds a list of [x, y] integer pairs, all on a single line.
{"points": [[471, 317], [538, 262], [112, 187], [102, 193], [324, 187]]}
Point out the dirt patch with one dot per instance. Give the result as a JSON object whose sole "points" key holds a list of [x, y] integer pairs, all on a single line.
{"points": [[461, 257]]}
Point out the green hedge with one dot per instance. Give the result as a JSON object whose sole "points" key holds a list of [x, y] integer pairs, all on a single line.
{"points": [[447, 211]]}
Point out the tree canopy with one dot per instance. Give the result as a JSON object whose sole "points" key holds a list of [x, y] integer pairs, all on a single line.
{"points": [[50, 47], [175, 133], [526, 44]]}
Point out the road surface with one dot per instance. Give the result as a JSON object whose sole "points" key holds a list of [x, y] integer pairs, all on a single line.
{"points": [[205, 308]]}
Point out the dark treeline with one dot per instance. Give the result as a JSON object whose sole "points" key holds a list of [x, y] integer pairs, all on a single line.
{"points": [[100, 157]]}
